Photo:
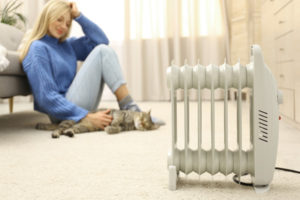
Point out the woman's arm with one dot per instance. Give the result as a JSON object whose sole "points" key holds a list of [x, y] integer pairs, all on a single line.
{"points": [[45, 91], [100, 119], [74, 10], [94, 35]]}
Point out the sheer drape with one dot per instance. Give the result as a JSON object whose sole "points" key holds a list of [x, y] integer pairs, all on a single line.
{"points": [[32, 10], [148, 34], [159, 31]]}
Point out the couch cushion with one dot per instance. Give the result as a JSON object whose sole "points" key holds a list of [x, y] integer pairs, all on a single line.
{"points": [[14, 68], [11, 37], [13, 85]]}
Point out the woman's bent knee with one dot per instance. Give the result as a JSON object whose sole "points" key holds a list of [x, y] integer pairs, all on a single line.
{"points": [[104, 49]]}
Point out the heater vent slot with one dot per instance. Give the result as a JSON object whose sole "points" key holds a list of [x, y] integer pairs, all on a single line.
{"points": [[263, 125]]}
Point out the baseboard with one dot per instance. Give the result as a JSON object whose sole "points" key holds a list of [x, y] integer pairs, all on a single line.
{"points": [[290, 121]]}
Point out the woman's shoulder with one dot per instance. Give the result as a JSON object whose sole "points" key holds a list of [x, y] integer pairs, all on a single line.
{"points": [[38, 47], [38, 44]]}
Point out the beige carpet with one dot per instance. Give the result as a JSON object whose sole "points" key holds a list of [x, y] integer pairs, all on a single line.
{"points": [[129, 166]]}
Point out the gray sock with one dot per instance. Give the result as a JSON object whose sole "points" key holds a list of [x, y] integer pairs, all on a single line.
{"points": [[157, 121], [127, 103]]}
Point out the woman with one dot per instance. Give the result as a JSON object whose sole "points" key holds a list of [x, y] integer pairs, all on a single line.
{"points": [[49, 61]]}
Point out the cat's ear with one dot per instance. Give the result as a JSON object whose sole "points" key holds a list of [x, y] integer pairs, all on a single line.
{"points": [[149, 112]]}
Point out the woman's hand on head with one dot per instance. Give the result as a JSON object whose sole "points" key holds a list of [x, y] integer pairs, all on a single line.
{"points": [[74, 10], [100, 119]]}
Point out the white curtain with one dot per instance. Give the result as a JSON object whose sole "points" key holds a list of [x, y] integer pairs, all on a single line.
{"points": [[32, 9], [149, 34]]}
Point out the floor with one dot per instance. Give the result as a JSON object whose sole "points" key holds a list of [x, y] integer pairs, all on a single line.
{"points": [[131, 165]]}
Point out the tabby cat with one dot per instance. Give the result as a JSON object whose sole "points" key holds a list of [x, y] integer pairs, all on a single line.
{"points": [[123, 120]]}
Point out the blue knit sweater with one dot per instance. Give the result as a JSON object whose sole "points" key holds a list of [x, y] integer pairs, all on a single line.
{"points": [[50, 66]]}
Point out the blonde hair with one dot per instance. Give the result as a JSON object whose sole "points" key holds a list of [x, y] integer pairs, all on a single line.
{"points": [[50, 13]]}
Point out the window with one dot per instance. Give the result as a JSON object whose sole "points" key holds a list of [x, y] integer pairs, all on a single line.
{"points": [[149, 18], [108, 14]]}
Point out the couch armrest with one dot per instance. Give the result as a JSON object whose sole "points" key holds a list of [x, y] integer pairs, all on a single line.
{"points": [[14, 68]]}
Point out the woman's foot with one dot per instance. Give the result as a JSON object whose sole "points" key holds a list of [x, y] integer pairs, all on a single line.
{"points": [[127, 103], [157, 121]]}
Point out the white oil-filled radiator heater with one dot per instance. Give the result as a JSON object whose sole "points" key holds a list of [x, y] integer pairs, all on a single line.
{"points": [[259, 160]]}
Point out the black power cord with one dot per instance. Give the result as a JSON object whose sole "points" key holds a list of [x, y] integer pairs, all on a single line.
{"points": [[287, 170], [235, 177]]}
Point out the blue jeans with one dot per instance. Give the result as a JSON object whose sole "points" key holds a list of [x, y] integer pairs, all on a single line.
{"points": [[100, 67]]}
